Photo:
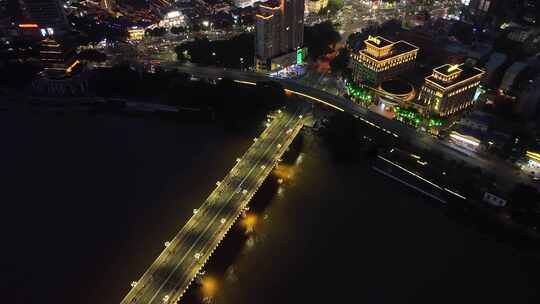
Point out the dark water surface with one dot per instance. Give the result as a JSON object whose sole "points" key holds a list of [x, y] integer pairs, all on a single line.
{"points": [[87, 202]]}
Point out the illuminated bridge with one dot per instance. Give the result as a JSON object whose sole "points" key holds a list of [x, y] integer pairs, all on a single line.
{"points": [[170, 275]]}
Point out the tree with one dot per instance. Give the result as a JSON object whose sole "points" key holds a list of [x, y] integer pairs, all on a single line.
{"points": [[320, 39], [237, 52], [463, 32], [157, 32], [339, 64], [523, 201], [523, 79], [355, 39], [93, 32], [388, 28], [178, 30], [92, 55]]}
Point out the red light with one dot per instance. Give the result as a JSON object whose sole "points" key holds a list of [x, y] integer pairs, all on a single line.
{"points": [[28, 25]]}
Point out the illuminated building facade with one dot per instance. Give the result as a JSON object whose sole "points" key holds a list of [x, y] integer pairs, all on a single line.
{"points": [[172, 19], [382, 60], [315, 6], [450, 89], [55, 58], [46, 13], [136, 33], [279, 31]]}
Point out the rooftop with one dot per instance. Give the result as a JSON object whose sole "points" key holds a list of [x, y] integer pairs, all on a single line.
{"points": [[465, 74], [378, 41], [449, 69], [396, 48]]}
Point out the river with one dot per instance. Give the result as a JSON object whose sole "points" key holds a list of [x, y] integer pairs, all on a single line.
{"points": [[89, 200]]}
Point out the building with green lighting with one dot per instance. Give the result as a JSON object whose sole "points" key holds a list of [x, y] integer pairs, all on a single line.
{"points": [[382, 59], [450, 89]]}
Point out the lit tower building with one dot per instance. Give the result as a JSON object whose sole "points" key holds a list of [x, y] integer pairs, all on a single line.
{"points": [[293, 28], [268, 32], [382, 59], [279, 34], [46, 13], [450, 89]]}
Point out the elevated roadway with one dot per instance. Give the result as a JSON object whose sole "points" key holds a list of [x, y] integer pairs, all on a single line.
{"points": [[392, 127]]}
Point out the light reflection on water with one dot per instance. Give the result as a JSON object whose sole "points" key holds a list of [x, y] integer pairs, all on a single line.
{"points": [[341, 220]]}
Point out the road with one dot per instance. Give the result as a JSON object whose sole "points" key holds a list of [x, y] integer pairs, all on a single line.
{"points": [[506, 174], [170, 275]]}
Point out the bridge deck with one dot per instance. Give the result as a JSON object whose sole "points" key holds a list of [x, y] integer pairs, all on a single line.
{"points": [[170, 275]]}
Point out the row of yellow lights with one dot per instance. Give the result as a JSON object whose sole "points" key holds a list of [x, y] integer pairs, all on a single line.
{"points": [[468, 139], [264, 17], [298, 93], [533, 155]]}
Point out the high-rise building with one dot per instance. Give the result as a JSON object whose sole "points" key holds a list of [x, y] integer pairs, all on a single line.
{"points": [[268, 31], [46, 13], [450, 89], [382, 60], [279, 32]]}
